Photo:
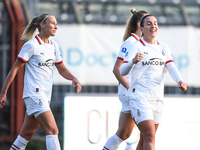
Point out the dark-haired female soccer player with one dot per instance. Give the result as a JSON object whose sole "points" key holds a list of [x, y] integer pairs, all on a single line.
{"points": [[147, 62], [126, 123]]}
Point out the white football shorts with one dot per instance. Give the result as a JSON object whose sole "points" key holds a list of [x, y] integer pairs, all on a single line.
{"points": [[142, 110], [36, 106], [125, 104]]}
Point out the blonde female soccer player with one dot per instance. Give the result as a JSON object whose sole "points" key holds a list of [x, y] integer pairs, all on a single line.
{"points": [[126, 123], [39, 54]]}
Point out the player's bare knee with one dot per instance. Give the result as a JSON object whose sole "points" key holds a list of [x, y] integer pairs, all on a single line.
{"points": [[149, 136], [27, 136], [52, 131], [123, 134]]}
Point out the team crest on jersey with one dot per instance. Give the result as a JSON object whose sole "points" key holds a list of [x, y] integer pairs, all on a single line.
{"points": [[40, 102], [124, 50], [163, 52], [138, 113]]}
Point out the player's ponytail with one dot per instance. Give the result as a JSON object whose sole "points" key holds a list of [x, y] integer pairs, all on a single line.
{"points": [[30, 30], [34, 24], [132, 24]]}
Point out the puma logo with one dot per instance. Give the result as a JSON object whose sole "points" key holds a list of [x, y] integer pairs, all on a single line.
{"points": [[146, 53]]}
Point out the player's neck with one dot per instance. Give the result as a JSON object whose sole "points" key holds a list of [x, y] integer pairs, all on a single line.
{"points": [[149, 40], [138, 33], [44, 38]]}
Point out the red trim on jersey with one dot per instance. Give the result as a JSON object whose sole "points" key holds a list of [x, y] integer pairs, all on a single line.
{"points": [[135, 36], [51, 42], [145, 45], [105, 148], [169, 61], [59, 62], [14, 146], [125, 61], [142, 42], [38, 39], [120, 58], [21, 59]]}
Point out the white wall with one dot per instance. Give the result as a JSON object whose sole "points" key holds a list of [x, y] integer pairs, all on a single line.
{"points": [[89, 120]]}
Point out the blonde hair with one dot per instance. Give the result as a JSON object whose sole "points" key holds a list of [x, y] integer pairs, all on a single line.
{"points": [[132, 24], [33, 25]]}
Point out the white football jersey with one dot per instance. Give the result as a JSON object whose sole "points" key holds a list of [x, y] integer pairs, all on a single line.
{"points": [[124, 50], [40, 59], [147, 76]]}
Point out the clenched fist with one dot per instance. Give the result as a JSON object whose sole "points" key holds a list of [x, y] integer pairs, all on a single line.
{"points": [[137, 58]]}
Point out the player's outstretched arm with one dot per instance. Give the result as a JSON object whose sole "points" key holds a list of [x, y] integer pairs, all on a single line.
{"points": [[173, 71], [10, 77], [67, 75]]}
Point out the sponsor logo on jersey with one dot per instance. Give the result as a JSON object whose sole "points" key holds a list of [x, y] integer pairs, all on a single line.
{"points": [[48, 63], [146, 52], [153, 61], [42, 53], [124, 50]]}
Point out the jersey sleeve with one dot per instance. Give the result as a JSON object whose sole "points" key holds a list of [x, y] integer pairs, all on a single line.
{"points": [[173, 71], [58, 59], [131, 53], [128, 63], [171, 67], [126, 68], [122, 52], [124, 49], [26, 52]]}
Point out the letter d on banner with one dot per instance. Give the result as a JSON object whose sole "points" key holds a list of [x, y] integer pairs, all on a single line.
{"points": [[74, 56]]}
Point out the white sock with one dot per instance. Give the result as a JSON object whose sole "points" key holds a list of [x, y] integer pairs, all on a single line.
{"points": [[19, 144], [52, 142], [112, 143]]}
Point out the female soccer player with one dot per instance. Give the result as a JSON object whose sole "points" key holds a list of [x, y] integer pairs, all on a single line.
{"points": [[39, 54], [126, 123], [147, 60]]}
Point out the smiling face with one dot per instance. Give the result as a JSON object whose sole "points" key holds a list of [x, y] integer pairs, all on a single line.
{"points": [[150, 28], [49, 26]]}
